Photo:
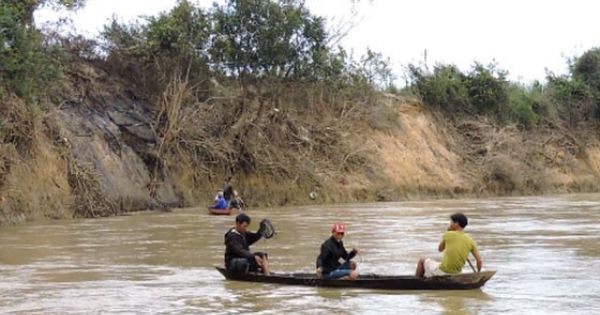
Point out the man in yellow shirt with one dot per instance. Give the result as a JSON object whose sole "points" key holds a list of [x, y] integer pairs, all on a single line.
{"points": [[456, 245]]}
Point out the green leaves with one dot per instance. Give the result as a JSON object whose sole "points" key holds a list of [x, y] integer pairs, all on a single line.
{"points": [[578, 95], [245, 39], [445, 88], [484, 90], [24, 65], [267, 38], [587, 68], [183, 30], [487, 88]]}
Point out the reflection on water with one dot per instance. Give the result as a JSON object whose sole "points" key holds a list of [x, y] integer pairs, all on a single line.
{"points": [[546, 251]]}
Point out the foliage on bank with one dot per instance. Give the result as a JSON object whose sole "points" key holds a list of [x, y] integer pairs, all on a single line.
{"points": [[484, 90], [249, 89], [261, 77]]}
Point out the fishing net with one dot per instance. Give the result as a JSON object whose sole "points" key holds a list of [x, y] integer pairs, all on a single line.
{"points": [[267, 230]]}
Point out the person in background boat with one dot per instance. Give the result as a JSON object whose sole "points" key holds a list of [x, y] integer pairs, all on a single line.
{"points": [[237, 201], [456, 245], [220, 202], [332, 250], [228, 193], [238, 257]]}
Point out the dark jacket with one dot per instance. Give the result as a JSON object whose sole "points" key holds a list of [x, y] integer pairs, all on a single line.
{"points": [[238, 245], [331, 252], [228, 193]]}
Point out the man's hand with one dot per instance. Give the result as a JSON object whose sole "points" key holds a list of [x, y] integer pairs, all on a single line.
{"points": [[319, 273], [356, 250]]}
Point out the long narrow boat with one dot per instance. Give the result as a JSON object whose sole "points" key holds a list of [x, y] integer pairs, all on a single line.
{"points": [[226, 211], [463, 281]]}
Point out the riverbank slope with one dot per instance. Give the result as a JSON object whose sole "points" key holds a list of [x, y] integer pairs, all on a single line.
{"points": [[98, 149]]}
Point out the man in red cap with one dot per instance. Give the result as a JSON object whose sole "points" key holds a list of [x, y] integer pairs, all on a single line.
{"points": [[328, 262]]}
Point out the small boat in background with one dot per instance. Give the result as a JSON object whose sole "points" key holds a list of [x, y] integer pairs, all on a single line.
{"points": [[463, 281], [226, 211]]}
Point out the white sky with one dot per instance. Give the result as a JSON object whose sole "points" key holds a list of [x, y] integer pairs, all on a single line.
{"points": [[525, 37]]}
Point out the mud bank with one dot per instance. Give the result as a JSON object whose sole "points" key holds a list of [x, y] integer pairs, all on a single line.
{"points": [[99, 156]]}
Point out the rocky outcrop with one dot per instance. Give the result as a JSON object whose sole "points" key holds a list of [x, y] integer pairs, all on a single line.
{"points": [[119, 145]]}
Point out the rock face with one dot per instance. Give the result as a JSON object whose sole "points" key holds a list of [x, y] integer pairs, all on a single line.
{"points": [[119, 145]]}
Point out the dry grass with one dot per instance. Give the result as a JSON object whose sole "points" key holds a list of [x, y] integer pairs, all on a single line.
{"points": [[433, 156], [31, 173], [36, 187], [17, 123], [90, 202], [287, 133], [36, 180]]}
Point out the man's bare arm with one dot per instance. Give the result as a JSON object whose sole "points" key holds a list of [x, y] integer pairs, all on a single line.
{"points": [[442, 246], [479, 261]]}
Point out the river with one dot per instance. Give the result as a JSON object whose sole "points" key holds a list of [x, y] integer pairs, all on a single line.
{"points": [[546, 251]]}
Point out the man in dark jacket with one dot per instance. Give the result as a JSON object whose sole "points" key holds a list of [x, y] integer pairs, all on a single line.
{"points": [[238, 257], [228, 193], [328, 262]]}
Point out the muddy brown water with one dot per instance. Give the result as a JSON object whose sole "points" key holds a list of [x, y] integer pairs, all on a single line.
{"points": [[546, 251]]}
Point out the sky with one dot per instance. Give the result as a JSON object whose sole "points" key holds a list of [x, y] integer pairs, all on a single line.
{"points": [[525, 37]]}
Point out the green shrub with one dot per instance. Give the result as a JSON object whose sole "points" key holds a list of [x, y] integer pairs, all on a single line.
{"points": [[445, 88], [487, 89], [21, 52], [484, 90], [586, 69], [148, 55], [521, 104], [543, 105], [575, 100], [374, 69]]}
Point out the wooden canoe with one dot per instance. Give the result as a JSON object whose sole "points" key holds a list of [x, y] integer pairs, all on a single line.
{"points": [[463, 281], [227, 211]]}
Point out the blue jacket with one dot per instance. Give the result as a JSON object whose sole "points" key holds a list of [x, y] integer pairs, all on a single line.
{"points": [[220, 203]]}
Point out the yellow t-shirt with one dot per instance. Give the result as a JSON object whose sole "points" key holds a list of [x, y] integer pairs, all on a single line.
{"points": [[458, 245]]}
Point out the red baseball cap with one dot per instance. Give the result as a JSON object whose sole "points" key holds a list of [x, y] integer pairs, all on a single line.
{"points": [[338, 228]]}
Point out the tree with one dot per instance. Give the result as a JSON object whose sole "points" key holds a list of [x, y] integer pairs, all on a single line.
{"points": [[445, 88], [148, 55], [27, 7], [587, 68], [578, 95], [183, 31], [574, 98], [24, 60], [375, 69], [487, 88], [268, 38]]}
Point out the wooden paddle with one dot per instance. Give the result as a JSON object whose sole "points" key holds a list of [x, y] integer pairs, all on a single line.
{"points": [[470, 264]]}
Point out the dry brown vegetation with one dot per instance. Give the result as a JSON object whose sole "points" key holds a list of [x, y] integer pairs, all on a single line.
{"points": [[32, 182], [278, 142], [297, 136], [434, 156]]}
